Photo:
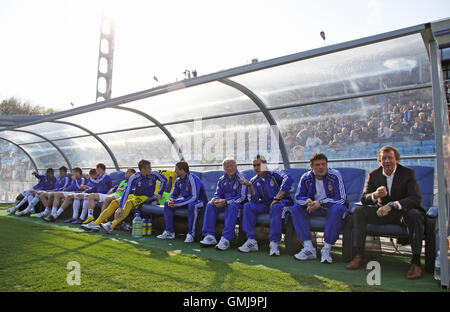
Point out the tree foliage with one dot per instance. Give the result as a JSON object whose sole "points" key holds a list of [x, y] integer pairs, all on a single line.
{"points": [[15, 106]]}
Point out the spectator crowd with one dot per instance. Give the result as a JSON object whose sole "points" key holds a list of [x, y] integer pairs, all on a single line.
{"points": [[337, 125]]}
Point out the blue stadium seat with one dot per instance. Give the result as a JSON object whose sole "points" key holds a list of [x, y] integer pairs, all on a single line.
{"points": [[209, 179], [198, 174], [248, 174], [425, 180], [354, 183], [117, 177], [296, 174]]}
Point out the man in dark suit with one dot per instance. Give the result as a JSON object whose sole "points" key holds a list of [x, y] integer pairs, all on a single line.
{"points": [[391, 196]]}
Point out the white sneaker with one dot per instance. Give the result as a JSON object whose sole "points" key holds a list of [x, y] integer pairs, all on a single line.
{"points": [[208, 240], [166, 235], [223, 244], [91, 226], [249, 245], [107, 227], [189, 238], [43, 214], [12, 210], [306, 254], [274, 249], [23, 212], [326, 256]]}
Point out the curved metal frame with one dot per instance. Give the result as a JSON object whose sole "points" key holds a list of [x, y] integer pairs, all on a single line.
{"points": [[111, 154], [23, 150], [263, 108], [48, 141], [159, 125]]}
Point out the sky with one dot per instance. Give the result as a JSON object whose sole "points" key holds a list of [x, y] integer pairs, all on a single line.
{"points": [[49, 48]]}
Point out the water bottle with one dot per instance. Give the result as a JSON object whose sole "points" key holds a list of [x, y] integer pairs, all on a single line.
{"points": [[437, 267], [144, 226], [149, 226], [136, 230]]}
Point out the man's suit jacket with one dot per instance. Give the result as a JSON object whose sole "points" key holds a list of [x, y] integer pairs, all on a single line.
{"points": [[404, 188]]}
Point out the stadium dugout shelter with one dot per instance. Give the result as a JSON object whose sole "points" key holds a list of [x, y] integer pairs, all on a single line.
{"points": [[263, 107]]}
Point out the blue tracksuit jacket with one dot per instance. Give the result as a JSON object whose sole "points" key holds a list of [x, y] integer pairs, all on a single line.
{"points": [[231, 189], [101, 184], [75, 185], [141, 185], [62, 183], [188, 190], [266, 189], [44, 183], [333, 185]]}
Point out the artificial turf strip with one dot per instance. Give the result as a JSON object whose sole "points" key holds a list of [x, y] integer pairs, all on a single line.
{"points": [[35, 255]]}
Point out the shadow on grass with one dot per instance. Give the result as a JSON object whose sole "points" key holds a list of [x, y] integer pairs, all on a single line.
{"points": [[221, 270], [311, 273], [126, 257]]}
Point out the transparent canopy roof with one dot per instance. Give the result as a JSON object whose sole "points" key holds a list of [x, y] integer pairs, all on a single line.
{"points": [[202, 101], [392, 63], [45, 155], [109, 119], [271, 107], [20, 137], [85, 152], [131, 146], [54, 131]]}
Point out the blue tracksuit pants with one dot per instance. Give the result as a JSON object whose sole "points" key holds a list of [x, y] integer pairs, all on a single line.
{"points": [[231, 215], [300, 219], [252, 210], [193, 210]]}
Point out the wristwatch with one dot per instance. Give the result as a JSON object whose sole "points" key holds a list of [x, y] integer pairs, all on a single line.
{"points": [[391, 204], [321, 202]]}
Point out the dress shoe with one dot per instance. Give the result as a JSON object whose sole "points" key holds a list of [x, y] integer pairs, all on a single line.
{"points": [[415, 271], [356, 263]]}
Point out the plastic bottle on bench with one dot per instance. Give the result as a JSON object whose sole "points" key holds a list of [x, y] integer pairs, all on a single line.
{"points": [[136, 230]]}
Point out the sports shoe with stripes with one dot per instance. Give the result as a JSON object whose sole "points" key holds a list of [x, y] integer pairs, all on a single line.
{"points": [[306, 254], [223, 244], [208, 240], [274, 251], [189, 238], [107, 227], [166, 235], [326, 256], [91, 226], [249, 245]]}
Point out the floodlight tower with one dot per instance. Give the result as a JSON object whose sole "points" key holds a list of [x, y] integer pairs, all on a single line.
{"points": [[105, 60]]}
